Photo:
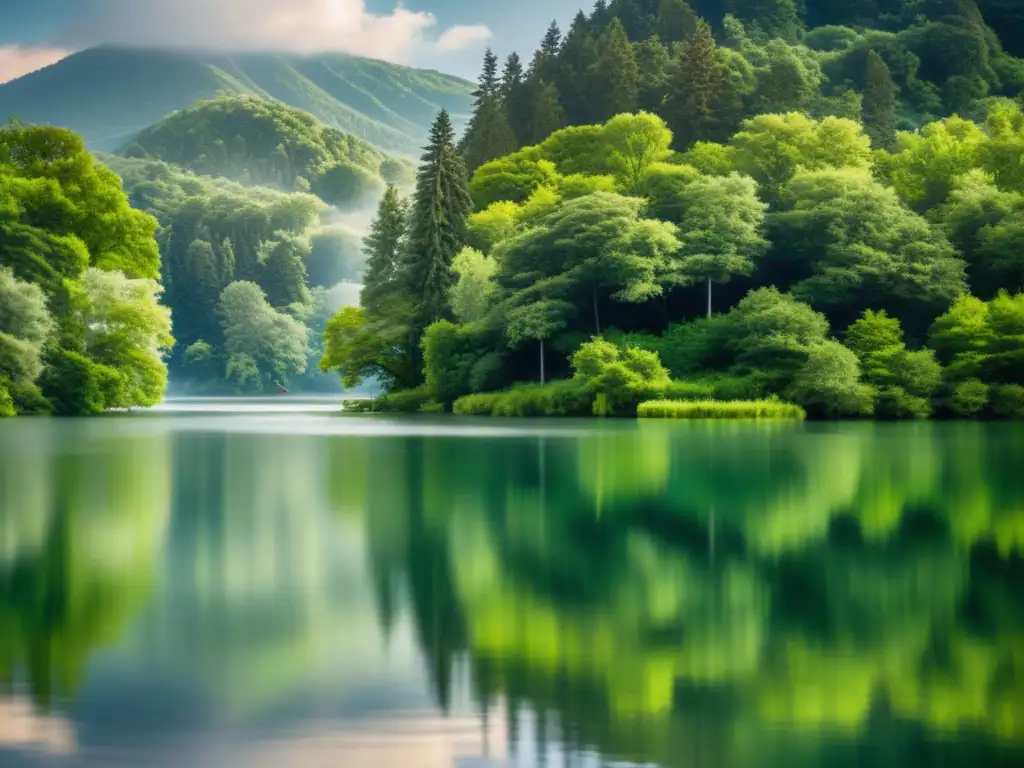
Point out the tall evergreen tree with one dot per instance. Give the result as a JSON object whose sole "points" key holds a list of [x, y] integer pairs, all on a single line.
{"points": [[600, 17], [676, 21], [639, 18], [511, 74], [546, 115], [879, 105], [702, 102], [545, 61], [652, 62], [384, 247], [578, 84], [489, 133], [617, 72], [515, 93], [440, 207], [776, 18]]}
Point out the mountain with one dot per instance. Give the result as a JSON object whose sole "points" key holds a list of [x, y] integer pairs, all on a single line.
{"points": [[253, 141], [109, 94]]}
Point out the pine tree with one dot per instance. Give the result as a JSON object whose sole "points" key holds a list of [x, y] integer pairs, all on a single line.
{"points": [[600, 17], [653, 62], [702, 102], [545, 61], [489, 134], [516, 94], [511, 74], [547, 115], [440, 207], [879, 106], [618, 73], [639, 18], [775, 18], [578, 84], [383, 248], [676, 21]]}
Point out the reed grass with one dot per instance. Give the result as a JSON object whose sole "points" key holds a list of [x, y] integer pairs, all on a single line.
{"points": [[719, 409]]}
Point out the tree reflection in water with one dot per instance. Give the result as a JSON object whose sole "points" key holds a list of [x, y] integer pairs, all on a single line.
{"points": [[681, 594]]}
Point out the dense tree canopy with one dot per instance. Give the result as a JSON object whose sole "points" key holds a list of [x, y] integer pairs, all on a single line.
{"points": [[78, 291], [267, 143], [603, 230]]}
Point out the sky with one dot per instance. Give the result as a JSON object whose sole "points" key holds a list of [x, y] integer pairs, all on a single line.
{"points": [[449, 35]]}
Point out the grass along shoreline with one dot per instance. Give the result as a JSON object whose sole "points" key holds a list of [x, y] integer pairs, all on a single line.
{"points": [[719, 409]]}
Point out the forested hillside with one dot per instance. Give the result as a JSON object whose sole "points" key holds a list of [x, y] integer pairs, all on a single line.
{"points": [[267, 143], [109, 94], [215, 232], [897, 64], [764, 230]]}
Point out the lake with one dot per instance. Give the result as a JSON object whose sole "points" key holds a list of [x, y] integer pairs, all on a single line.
{"points": [[262, 583]]}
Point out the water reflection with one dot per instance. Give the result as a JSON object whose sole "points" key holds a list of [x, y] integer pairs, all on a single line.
{"points": [[673, 594]]}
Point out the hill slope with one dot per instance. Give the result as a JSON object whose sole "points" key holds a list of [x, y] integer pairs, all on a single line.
{"points": [[253, 141], [108, 94]]}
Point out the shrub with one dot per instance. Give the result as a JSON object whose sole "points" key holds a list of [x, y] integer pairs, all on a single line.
{"points": [[6, 402], [403, 401], [74, 384], [686, 390], [1008, 401], [829, 383], [751, 387], [618, 377], [716, 409], [28, 399], [567, 397], [969, 397], [897, 403]]}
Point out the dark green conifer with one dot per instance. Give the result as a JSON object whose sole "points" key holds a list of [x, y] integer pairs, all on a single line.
{"points": [[702, 102], [617, 72], [489, 134], [653, 63], [515, 93], [546, 115], [879, 106], [383, 248], [578, 85], [440, 207], [676, 21]]}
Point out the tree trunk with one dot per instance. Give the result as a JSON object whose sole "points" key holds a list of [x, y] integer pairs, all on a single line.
{"points": [[542, 362], [709, 298], [597, 317]]}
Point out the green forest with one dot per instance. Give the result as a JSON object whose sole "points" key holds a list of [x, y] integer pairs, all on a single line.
{"points": [[770, 206], [748, 200]]}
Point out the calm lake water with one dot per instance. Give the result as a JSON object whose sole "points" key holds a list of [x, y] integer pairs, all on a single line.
{"points": [[260, 583]]}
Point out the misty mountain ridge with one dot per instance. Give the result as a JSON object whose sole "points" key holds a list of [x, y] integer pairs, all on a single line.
{"points": [[109, 94]]}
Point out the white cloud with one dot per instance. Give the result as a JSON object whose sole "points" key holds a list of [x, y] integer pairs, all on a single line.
{"points": [[300, 26], [460, 37], [16, 61]]}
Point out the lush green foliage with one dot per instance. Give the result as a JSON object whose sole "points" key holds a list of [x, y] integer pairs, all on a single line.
{"points": [[214, 232], [792, 187], [109, 94], [894, 65], [716, 409], [79, 311], [258, 142]]}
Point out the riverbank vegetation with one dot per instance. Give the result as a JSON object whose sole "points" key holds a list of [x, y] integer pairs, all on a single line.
{"points": [[749, 204], [715, 409], [81, 329]]}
